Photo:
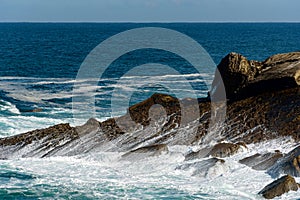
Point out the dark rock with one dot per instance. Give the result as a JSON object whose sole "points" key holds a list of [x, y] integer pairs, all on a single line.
{"points": [[140, 112], [279, 187], [220, 150], [261, 161], [202, 168], [288, 164], [264, 117], [33, 110], [223, 150], [146, 151], [263, 104], [243, 78], [44, 140]]}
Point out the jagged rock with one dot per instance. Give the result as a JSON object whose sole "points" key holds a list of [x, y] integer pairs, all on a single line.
{"points": [[89, 126], [261, 161], [279, 187], [140, 112], [263, 104], [205, 168], [146, 151], [243, 78], [38, 142], [289, 164], [220, 150]]}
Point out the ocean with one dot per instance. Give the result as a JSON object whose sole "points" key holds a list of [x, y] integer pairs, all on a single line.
{"points": [[39, 63]]}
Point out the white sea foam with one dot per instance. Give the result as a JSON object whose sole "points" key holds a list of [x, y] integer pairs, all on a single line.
{"points": [[19, 89], [103, 175], [7, 106]]}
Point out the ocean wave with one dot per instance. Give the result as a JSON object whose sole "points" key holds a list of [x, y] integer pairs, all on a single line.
{"points": [[103, 175], [6, 106]]}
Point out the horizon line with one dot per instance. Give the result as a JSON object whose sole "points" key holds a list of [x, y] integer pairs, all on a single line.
{"points": [[149, 22]]}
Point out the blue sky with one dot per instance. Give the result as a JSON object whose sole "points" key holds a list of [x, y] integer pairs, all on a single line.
{"points": [[149, 10]]}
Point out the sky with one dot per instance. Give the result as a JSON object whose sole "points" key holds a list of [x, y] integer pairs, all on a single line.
{"points": [[149, 10]]}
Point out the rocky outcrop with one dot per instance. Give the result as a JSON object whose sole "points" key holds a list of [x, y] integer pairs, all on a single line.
{"points": [[289, 164], [243, 78], [263, 103], [38, 142], [262, 161], [279, 187]]}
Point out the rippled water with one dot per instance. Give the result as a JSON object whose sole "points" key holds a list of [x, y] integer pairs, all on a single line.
{"points": [[38, 66]]}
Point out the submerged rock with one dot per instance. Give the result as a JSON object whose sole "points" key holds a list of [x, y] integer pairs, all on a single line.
{"points": [[261, 161], [33, 110], [205, 168], [202, 153], [288, 164], [279, 187], [220, 150], [146, 151]]}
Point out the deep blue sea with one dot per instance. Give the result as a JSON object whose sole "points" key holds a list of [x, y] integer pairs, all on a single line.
{"points": [[39, 63]]}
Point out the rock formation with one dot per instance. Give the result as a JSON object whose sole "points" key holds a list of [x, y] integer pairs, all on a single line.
{"points": [[263, 103], [279, 187], [289, 164], [146, 151], [262, 161], [205, 168], [243, 78], [220, 150]]}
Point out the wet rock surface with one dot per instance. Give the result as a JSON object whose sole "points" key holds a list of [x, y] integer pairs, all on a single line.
{"points": [[205, 168], [279, 187], [263, 104], [288, 164], [146, 151], [262, 161], [220, 150]]}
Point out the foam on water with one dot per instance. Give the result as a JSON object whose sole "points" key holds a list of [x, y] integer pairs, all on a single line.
{"points": [[8, 107], [54, 95], [102, 175]]}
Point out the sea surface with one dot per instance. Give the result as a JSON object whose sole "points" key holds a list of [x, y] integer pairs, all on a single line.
{"points": [[39, 63]]}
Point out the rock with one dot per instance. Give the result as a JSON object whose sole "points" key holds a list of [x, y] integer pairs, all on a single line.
{"points": [[263, 104], [263, 117], [140, 112], [243, 78], [288, 164], [146, 151], [202, 153], [220, 150], [39, 143], [261, 161], [205, 168], [33, 110], [279, 187], [90, 125], [223, 150]]}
